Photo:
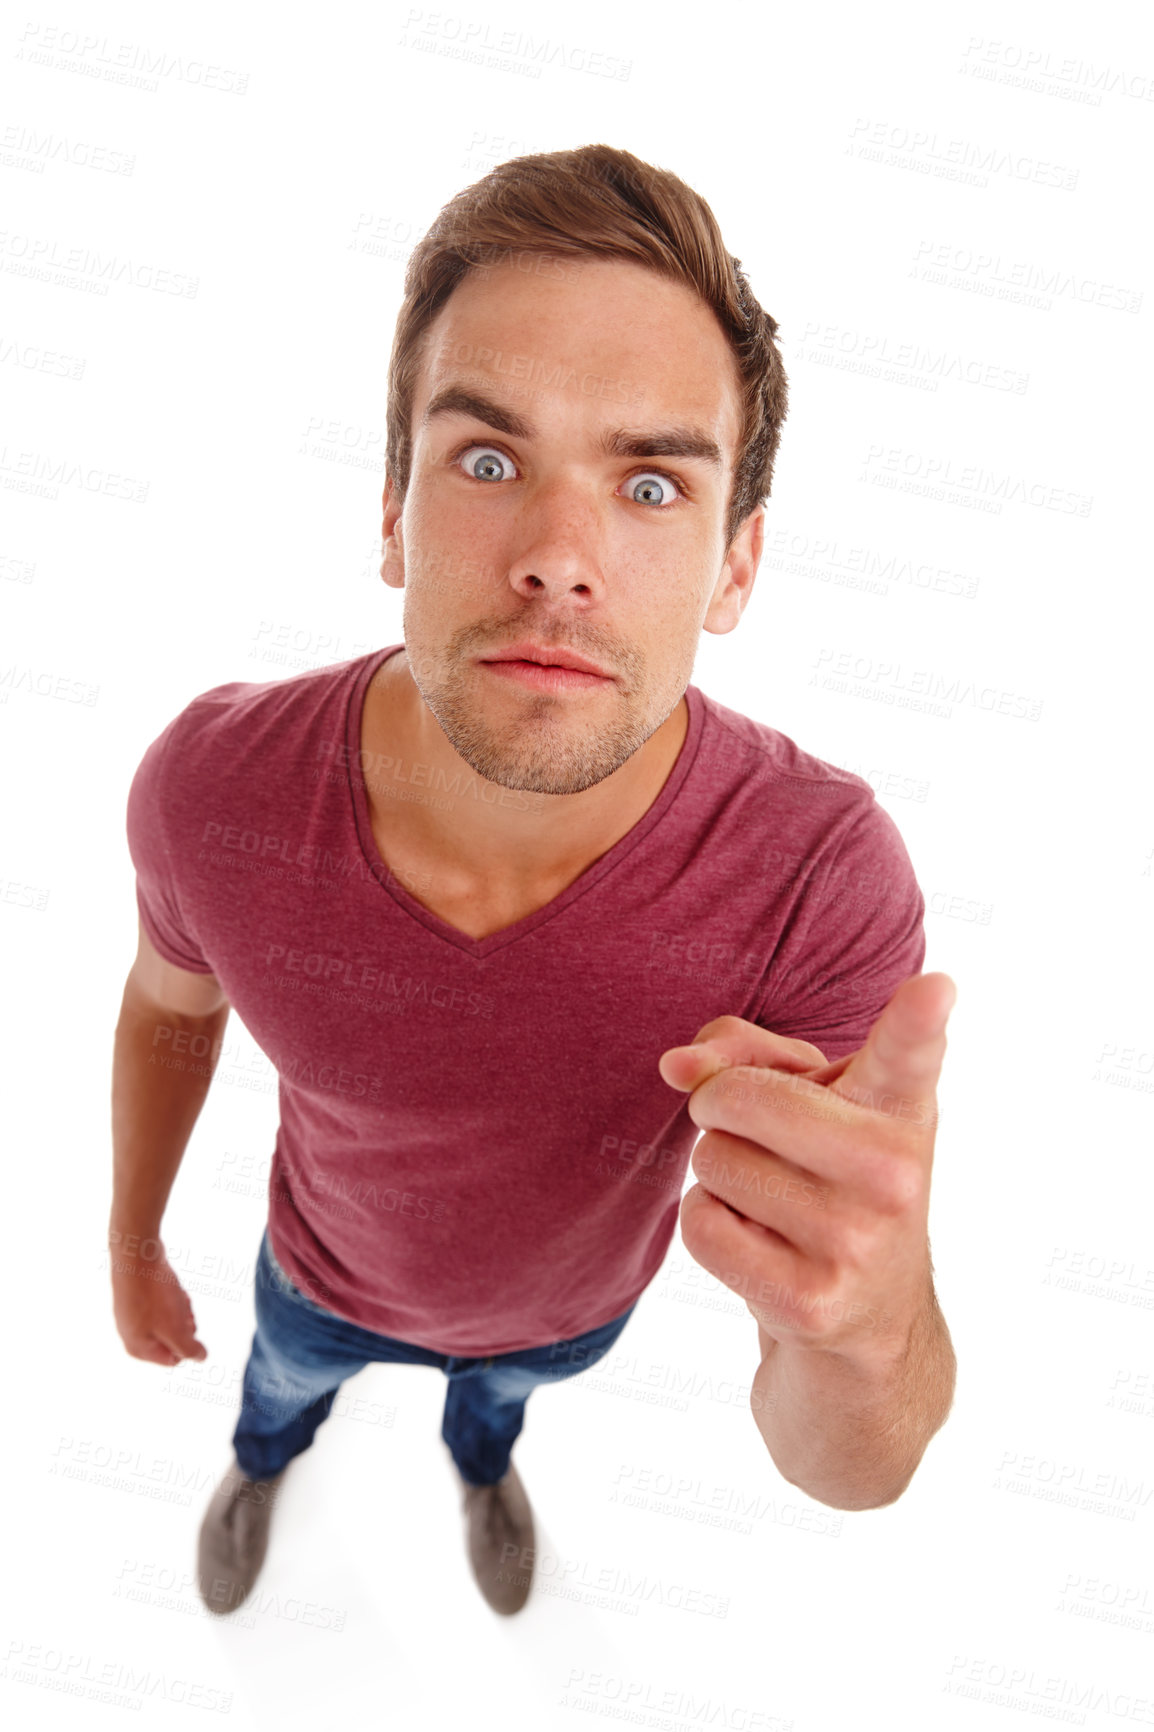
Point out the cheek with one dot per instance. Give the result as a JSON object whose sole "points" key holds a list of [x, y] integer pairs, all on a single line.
{"points": [[451, 553]]}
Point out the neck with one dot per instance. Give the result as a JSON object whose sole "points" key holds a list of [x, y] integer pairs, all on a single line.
{"points": [[488, 834]]}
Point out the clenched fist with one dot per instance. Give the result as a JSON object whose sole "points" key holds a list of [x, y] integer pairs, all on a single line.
{"points": [[152, 1310]]}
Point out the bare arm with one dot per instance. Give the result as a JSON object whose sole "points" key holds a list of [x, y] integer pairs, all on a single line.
{"points": [[165, 1051], [851, 1432]]}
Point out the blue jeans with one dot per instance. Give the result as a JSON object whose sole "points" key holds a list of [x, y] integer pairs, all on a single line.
{"points": [[301, 1354]]}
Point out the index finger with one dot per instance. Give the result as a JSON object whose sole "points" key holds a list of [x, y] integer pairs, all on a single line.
{"points": [[731, 1040]]}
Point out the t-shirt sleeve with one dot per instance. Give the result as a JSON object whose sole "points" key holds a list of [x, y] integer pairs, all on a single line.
{"points": [[157, 863], [857, 935]]}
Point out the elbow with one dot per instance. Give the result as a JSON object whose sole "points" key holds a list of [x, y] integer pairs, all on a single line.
{"points": [[853, 1498]]}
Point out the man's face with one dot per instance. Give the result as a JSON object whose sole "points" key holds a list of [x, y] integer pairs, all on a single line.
{"points": [[522, 522]]}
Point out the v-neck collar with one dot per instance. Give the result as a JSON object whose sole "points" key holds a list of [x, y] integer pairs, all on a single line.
{"points": [[482, 947]]}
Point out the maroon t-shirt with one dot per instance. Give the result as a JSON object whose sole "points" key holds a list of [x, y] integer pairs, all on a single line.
{"points": [[476, 1151]]}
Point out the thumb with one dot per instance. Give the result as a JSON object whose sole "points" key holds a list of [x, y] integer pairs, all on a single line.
{"points": [[183, 1346], [897, 1070]]}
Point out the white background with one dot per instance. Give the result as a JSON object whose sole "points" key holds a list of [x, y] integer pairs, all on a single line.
{"points": [[935, 204]]}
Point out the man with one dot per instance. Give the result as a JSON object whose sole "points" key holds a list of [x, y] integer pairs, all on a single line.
{"points": [[475, 893]]}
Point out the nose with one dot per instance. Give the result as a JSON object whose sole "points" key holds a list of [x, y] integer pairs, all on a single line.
{"points": [[559, 550]]}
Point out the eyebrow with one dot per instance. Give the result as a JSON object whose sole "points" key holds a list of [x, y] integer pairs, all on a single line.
{"points": [[692, 442]]}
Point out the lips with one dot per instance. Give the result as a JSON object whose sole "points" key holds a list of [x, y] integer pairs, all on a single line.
{"points": [[545, 655], [545, 676]]}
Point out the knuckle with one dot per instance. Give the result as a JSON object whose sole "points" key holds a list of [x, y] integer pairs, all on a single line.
{"points": [[857, 1248], [899, 1183], [721, 1025], [705, 1153]]}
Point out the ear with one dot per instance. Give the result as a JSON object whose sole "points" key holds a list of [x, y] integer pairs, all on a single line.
{"points": [[734, 586], [392, 534]]}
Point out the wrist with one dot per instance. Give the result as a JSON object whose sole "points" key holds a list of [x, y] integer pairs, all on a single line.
{"points": [[135, 1243]]}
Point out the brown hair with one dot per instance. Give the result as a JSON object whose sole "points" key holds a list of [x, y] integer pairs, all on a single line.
{"points": [[595, 200]]}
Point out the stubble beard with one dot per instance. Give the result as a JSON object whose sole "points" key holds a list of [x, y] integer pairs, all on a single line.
{"points": [[550, 747]]}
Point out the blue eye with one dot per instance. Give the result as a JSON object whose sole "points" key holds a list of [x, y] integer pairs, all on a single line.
{"points": [[652, 478], [481, 469], [484, 462]]}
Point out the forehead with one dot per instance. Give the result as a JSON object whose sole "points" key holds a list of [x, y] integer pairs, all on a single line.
{"points": [[584, 336]]}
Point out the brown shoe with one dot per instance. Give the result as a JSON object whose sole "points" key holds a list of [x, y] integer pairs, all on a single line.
{"points": [[501, 1541], [234, 1538]]}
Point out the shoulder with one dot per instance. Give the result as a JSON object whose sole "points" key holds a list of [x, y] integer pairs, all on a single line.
{"points": [[770, 754], [811, 828], [241, 722], [244, 748], [798, 806]]}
